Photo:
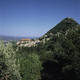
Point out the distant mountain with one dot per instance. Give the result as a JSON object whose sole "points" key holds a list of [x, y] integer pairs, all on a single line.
{"points": [[9, 38]]}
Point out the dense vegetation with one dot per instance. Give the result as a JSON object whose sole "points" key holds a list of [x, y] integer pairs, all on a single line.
{"points": [[57, 59]]}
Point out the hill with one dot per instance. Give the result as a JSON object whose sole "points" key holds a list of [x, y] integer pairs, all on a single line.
{"points": [[60, 51], [61, 28]]}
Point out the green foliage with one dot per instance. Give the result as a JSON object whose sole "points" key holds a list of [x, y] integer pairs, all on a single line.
{"points": [[10, 56], [30, 67], [30, 64], [3, 67], [9, 68], [64, 52], [19, 63]]}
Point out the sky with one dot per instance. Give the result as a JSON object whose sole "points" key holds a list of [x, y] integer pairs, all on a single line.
{"points": [[33, 18]]}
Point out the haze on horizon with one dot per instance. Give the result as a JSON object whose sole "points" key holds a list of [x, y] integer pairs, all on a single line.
{"points": [[33, 18]]}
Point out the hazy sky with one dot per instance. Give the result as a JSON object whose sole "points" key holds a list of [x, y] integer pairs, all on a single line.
{"points": [[35, 17]]}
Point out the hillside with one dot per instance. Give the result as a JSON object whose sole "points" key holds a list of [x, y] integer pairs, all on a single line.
{"points": [[60, 51]]}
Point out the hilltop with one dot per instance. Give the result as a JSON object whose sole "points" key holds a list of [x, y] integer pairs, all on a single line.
{"points": [[61, 28]]}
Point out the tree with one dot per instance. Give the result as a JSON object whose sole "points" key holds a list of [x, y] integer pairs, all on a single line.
{"points": [[9, 70], [11, 62], [31, 67], [3, 66]]}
